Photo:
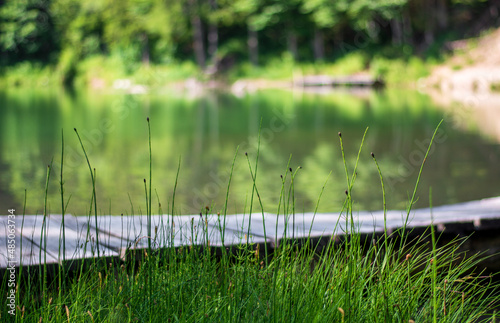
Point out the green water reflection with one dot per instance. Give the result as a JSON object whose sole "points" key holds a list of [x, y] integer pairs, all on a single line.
{"points": [[204, 133]]}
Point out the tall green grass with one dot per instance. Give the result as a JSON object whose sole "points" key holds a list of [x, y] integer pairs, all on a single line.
{"points": [[351, 278]]}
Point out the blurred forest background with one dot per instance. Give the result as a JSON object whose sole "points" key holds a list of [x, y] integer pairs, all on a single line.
{"points": [[66, 38]]}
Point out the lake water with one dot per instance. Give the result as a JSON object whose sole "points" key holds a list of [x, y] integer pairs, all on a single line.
{"points": [[202, 134]]}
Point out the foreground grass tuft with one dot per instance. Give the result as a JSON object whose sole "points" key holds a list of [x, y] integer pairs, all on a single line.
{"points": [[379, 278]]}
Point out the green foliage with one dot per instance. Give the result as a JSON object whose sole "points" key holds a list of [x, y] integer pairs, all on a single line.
{"points": [[276, 69], [39, 75], [159, 75], [26, 29], [399, 71], [324, 13], [103, 71], [65, 33], [349, 64], [138, 26]]}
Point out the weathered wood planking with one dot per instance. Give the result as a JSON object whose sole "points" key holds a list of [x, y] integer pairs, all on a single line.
{"points": [[28, 248], [36, 246], [117, 234]]}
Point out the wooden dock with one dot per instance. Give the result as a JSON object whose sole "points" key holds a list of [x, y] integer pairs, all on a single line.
{"points": [[361, 80], [119, 234]]}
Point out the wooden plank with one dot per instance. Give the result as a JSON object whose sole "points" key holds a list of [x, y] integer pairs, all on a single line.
{"points": [[120, 233], [35, 249], [278, 227], [186, 230], [77, 244], [131, 231], [80, 240], [28, 234], [26, 252]]}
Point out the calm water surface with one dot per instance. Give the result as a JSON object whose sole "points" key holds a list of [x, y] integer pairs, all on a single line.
{"points": [[203, 134]]}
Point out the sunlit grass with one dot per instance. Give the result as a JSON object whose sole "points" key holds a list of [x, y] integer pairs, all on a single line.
{"points": [[355, 278], [100, 72]]}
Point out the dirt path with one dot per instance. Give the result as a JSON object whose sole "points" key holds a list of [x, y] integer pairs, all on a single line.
{"points": [[468, 85], [474, 67]]}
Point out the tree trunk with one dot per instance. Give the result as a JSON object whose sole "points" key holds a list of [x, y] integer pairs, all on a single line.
{"points": [[407, 30], [494, 8], [318, 45], [213, 33], [145, 49], [429, 35], [292, 44], [442, 14], [253, 45], [430, 26], [397, 32], [199, 48]]}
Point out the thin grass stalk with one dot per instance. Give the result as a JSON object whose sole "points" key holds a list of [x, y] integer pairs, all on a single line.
{"points": [[97, 244], [385, 239], [316, 210], [352, 236], [348, 196], [19, 280], [147, 202], [63, 208], [281, 200], [150, 282], [87, 237], [318, 201], [254, 175], [291, 200], [277, 260], [93, 192], [355, 174], [254, 187], [382, 262], [205, 229], [254, 190], [149, 195], [433, 263], [412, 200], [384, 205], [43, 242], [294, 242], [172, 255], [330, 247], [348, 246], [287, 212], [172, 228], [61, 267], [286, 248], [344, 160], [223, 229]]}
